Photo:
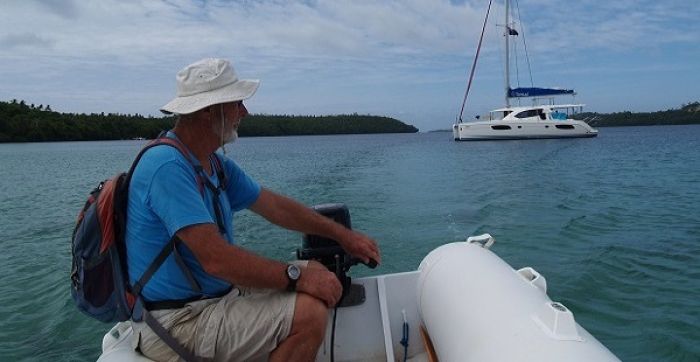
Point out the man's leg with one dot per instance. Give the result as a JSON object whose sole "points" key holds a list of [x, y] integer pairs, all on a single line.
{"points": [[308, 330]]}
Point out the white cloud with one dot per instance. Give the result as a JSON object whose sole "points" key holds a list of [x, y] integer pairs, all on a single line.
{"points": [[24, 40], [338, 28], [64, 8], [352, 55]]}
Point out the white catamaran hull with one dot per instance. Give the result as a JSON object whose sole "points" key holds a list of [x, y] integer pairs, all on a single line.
{"points": [[508, 130], [541, 119], [472, 304]]}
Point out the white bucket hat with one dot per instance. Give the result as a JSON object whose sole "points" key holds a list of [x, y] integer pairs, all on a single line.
{"points": [[207, 82]]}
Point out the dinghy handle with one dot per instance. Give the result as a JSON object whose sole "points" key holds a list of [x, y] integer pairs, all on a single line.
{"points": [[534, 278], [486, 240]]}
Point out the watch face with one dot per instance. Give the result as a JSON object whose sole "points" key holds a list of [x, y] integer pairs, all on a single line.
{"points": [[293, 272]]}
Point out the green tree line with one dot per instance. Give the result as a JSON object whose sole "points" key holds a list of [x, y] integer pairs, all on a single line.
{"points": [[269, 125], [21, 122], [686, 114]]}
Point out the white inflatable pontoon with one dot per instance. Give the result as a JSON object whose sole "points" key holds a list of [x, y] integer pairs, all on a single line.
{"points": [[463, 298]]}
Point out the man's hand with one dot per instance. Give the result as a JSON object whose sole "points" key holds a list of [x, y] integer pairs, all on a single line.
{"points": [[285, 212], [318, 282], [361, 247]]}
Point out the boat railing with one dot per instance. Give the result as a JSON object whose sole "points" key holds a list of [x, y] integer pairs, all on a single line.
{"points": [[591, 120]]}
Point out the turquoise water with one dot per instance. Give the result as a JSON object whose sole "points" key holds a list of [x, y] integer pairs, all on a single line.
{"points": [[613, 223]]}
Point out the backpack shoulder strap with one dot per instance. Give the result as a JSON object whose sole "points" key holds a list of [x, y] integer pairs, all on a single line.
{"points": [[169, 248], [220, 171], [163, 140]]}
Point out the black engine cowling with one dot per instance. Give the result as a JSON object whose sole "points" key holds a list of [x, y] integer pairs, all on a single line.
{"points": [[329, 253]]}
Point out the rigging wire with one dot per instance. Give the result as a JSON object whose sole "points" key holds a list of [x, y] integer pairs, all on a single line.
{"points": [[514, 51], [527, 56], [476, 57], [517, 66], [513, 61]]}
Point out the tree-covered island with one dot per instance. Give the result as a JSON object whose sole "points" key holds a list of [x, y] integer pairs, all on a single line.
{"points": [[686, 114], [21, 122]]}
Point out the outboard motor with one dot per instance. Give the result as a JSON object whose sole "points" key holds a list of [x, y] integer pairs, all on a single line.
{"points": [[329, 253]]}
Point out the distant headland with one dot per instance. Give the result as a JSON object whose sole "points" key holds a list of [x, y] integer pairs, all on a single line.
{"points": [[686, 114], [22, 122]]}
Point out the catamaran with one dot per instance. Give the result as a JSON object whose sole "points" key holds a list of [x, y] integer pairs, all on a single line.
{"points": [[541, 119]]}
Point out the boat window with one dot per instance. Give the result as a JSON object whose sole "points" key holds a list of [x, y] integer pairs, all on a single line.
{"points": [[527, 114], [500, 127], [559, 116], [541, 114], [565, 126]]}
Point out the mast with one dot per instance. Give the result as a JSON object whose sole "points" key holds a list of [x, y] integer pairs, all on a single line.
{"points": [[507, 35]]}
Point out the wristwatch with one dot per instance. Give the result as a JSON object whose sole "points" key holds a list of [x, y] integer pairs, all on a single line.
{"points": [[293, 274]]}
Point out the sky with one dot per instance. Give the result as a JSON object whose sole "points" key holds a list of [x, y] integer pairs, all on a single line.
{"points": [[405, 59]]}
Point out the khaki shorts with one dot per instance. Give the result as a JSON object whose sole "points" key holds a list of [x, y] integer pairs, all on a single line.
{"points": [[244, 325]]}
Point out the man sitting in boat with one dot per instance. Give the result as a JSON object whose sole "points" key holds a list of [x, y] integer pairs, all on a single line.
{"points": [[248, 307]]}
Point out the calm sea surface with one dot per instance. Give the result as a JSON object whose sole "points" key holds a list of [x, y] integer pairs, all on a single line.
{"points": [[613, 223]]}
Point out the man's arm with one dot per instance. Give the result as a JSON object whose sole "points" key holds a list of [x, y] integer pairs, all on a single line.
{"points": [[241, 267], [285, 212]]}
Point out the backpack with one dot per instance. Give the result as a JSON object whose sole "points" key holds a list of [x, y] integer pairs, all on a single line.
{"points": [[99, 275]]}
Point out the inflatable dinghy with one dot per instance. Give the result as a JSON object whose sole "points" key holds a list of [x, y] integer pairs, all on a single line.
{"points": [[464, 303]]}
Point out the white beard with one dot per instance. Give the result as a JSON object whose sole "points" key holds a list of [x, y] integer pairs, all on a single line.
{"points": [[231, 137]]}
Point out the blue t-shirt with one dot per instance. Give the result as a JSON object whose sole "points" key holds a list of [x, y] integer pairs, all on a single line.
{"points": [[164, 197]]}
